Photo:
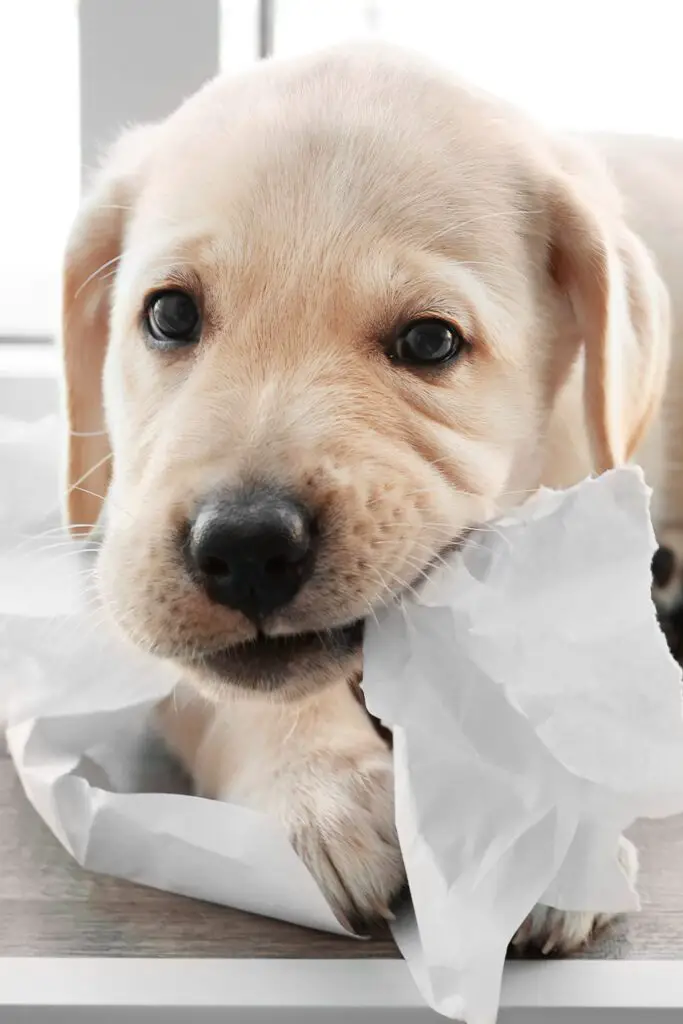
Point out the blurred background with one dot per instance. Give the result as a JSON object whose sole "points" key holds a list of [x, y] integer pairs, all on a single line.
{"points": [[73, 73]]}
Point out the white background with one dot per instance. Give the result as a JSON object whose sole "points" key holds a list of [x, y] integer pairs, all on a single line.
{"points": [[606, 64]]}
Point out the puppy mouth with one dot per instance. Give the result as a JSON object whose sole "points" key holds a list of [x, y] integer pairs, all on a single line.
{"points": [[270, 662]]}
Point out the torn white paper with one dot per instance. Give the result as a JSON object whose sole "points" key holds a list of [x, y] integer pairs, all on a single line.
{"points": [[536, 713]]}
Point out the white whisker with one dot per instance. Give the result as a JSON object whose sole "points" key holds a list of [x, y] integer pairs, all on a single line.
{"points": [[88, 472], [96, 273]]}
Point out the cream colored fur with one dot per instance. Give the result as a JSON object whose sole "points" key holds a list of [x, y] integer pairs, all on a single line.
{"points": [[312, 206]]}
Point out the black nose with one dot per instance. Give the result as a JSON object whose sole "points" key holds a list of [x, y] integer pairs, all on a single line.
{"points": [[252, 552]]}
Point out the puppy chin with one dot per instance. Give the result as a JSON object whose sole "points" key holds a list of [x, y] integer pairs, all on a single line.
{"points": [[284, 667]]}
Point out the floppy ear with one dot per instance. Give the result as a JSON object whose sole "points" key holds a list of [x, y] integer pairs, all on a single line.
{"points": [[621, 309], [90, 264]]}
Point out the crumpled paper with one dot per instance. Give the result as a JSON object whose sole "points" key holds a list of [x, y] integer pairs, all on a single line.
{"points": [[536, 712]]}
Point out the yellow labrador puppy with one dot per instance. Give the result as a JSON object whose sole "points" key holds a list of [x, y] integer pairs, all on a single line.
{"points": [[330, 315]]}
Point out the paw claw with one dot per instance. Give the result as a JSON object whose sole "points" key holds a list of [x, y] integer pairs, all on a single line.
{"points": [[567, 931], [553, 940]]}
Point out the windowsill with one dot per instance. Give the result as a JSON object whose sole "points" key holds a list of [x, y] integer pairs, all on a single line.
{"points": [[327, 992], [29, 378], [26, 359]]}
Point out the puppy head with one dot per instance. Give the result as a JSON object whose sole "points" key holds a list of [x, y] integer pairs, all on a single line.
{"points": [[314, 328]]}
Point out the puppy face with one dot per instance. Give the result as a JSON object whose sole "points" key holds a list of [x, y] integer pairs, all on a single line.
{"points": [[338, 322]]}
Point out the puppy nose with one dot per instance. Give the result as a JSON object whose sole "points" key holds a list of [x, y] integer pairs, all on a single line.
{"points": [[252, 552]]}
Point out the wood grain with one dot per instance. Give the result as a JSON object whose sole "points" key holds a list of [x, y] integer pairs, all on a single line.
{"points": [[51, 907]]}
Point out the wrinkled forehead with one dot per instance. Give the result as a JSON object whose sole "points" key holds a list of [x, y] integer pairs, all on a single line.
{"points": [[308, 167], [347, 286], [298, 198]]}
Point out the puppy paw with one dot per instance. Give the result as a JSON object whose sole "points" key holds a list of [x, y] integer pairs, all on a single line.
{"points": [[563, 932], [319, 768], [558, 931], [667, 570], [667, 589], [339, 814]]}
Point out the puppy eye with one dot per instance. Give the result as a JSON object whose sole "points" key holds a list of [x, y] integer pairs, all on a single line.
{"points": [[172, 319], [427, 343]]}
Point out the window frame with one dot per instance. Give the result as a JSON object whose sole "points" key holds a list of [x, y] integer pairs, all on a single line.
{"points": [[116, 34]]}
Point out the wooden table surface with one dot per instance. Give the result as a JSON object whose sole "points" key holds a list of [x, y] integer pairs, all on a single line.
{"points": [[49, 906]]}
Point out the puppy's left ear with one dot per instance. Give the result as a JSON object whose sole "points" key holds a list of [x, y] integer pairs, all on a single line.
{"points": [[621, 309], [93, 250]]}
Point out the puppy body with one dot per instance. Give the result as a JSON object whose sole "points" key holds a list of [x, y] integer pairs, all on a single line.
{"points": [[313, 208]]}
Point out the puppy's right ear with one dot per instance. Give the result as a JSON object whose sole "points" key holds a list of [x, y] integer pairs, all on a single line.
{"points": [[93, 250]]}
